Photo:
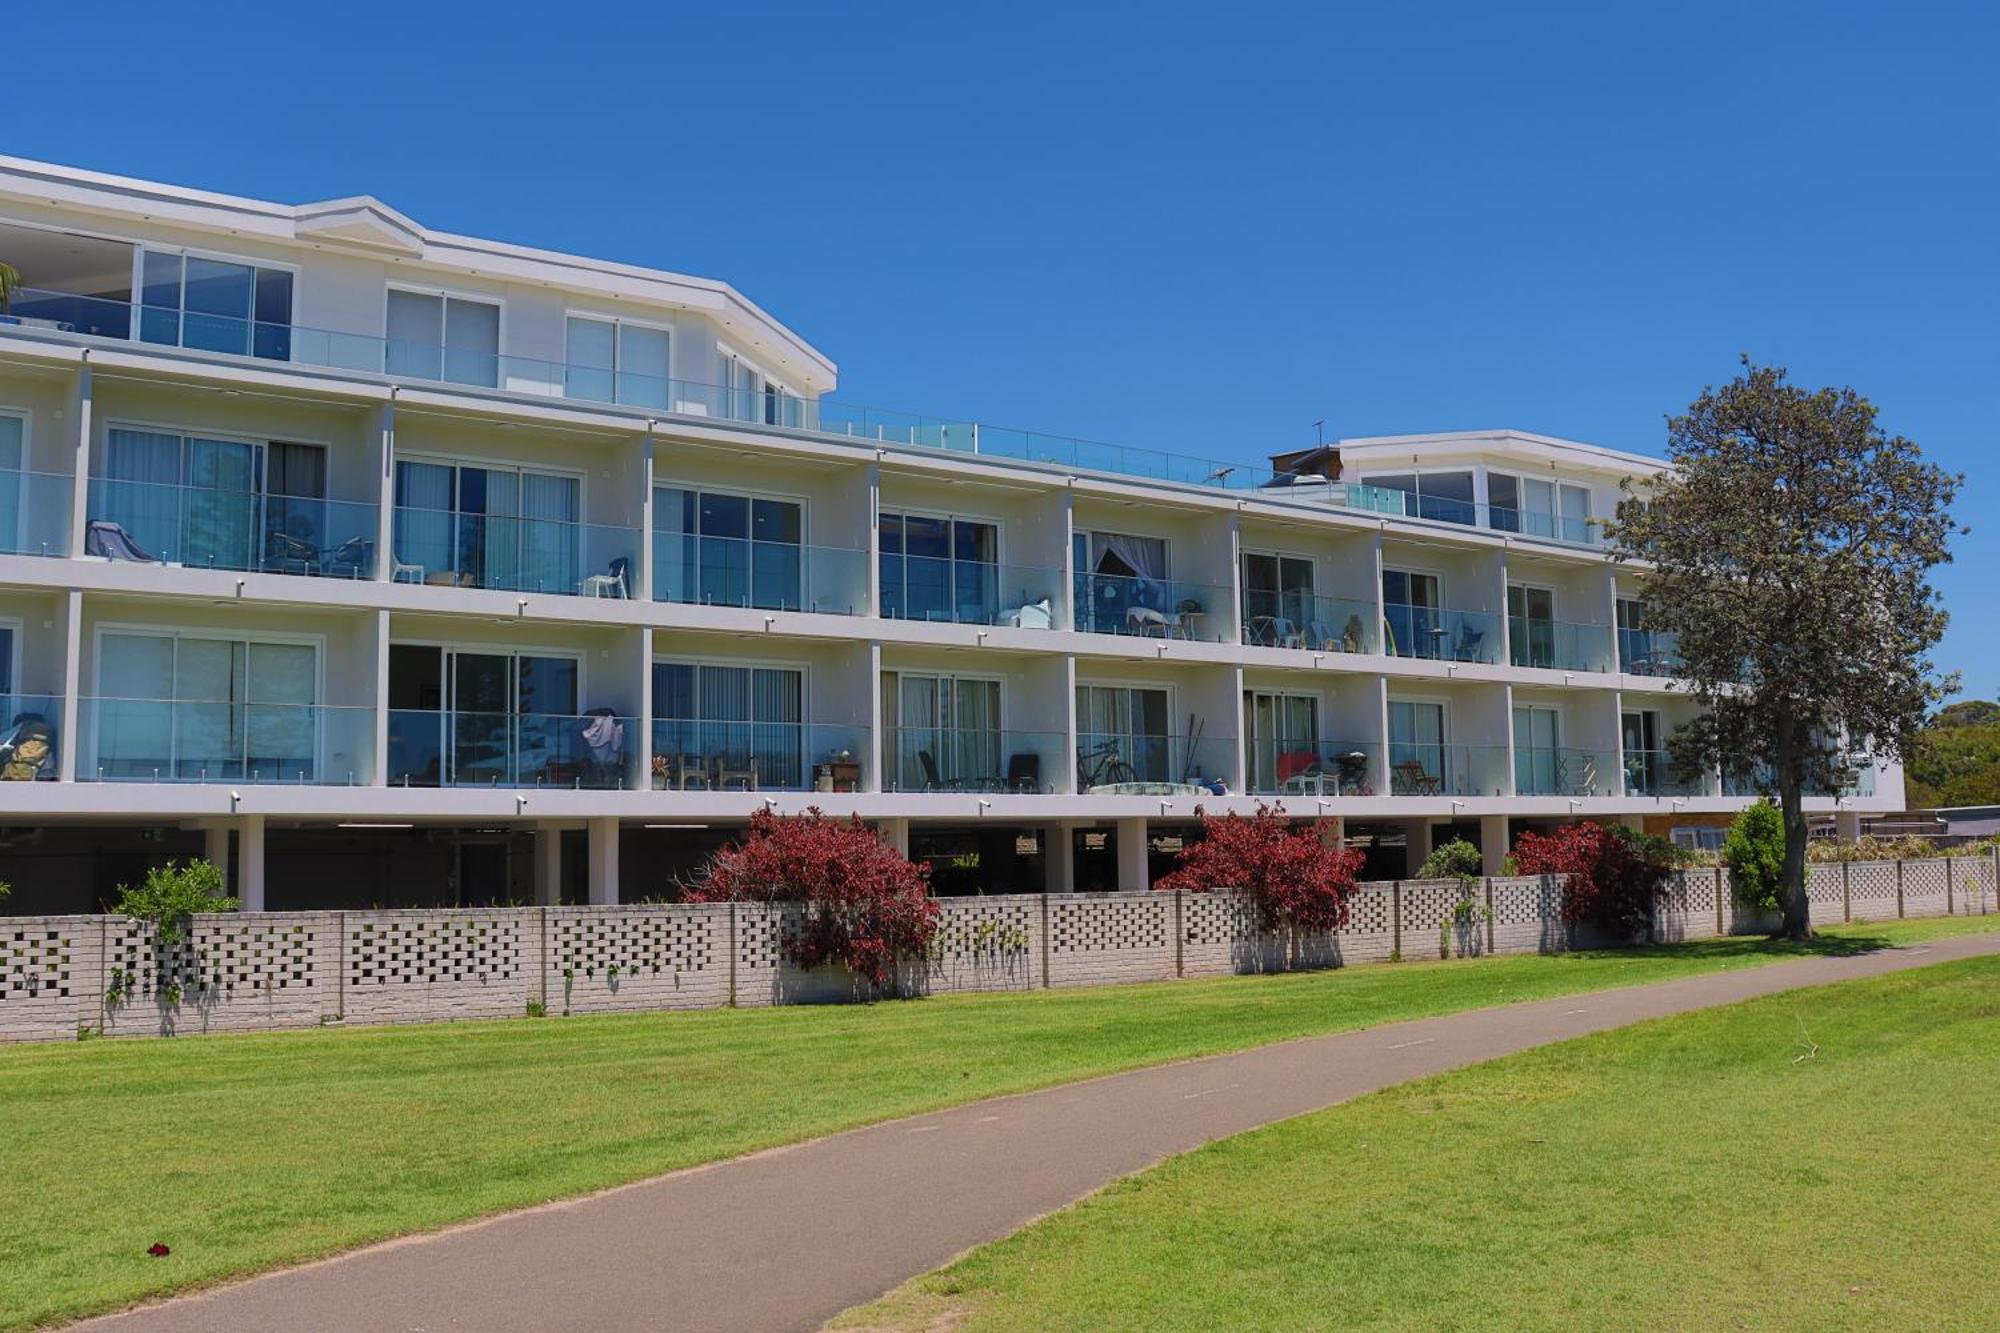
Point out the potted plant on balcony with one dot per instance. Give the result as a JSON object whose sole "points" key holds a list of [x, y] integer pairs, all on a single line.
{"points": [[10, 282]]}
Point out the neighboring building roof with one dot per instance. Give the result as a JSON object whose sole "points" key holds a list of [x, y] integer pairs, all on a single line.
{"points": [[1448, 445]]}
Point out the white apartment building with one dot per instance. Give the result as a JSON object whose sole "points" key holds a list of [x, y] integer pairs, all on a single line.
{"points": [[391, 567]]}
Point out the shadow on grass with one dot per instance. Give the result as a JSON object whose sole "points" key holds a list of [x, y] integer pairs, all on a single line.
{"points": [[1752, 946]]}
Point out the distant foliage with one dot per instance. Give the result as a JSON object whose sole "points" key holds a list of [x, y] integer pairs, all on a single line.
{"points": [[1823, 850], [867, 906], [1611, 875], [1294, 877], [1457, 859], [1755, 854], [1956, 760], [171, 895]]}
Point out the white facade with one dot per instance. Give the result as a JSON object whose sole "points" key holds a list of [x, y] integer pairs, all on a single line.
{"points": [[326, 520]]}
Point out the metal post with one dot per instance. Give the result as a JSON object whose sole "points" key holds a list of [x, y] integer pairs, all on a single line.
{"points": [[1180, 936], [1899, 889], [1045, 941], [1396, 917], [1489, 914], [1949, 877], [732, 955], [1846, 894]]}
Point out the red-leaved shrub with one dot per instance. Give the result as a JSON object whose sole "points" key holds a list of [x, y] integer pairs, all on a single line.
{"points": [[1610, 874], [1293, 877], [866, 904]]}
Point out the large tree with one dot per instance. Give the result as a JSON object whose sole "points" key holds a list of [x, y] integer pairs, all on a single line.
{"points": [[1790, 545]]}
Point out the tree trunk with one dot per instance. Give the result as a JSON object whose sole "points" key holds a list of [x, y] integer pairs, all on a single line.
{"points": [[1792, 886]]}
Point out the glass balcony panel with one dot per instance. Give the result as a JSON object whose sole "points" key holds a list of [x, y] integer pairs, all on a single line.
{"points": [[1307, 768], [441, 748], [1153, 608], [1559, 645], [1441, 635], [1316, 624], [1418, 768], [208, 528], [1649, 652], [453, 549], [34, 513], [30, 744], [972, 759], [1654, 773], [184, 740], [1563, 771], [1124, 763], [770, 576]]}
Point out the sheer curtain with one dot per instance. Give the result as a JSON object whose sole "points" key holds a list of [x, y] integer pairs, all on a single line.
{"points": [[920, 725], [978, 729], [777, 703], [142, 474], [423, 516], [221, 503], [281, 723], [673, 545], [550, 554], [133, 715]]}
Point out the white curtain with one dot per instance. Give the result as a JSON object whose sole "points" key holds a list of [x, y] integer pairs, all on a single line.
{"points": [[134, 714], [642, 366], [777, 703], [550, 553], [978, 734], [142, 474], [281, 722], [423, 516]]}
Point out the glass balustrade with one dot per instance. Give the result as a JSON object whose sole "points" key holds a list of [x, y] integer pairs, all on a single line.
{"points": [[1564, 771], [1440, 635], [698, 754], [768, 576], [440, 748], [203, 528], [183, 740], [1313, 768], [1654, 773], [449, 548], [1559, 645], [967, 592], [1649, 652], [972, 759], [1124, 763], [34, 513], [1316, 624], [30, 743], [1418, 768], [1154, 608]]}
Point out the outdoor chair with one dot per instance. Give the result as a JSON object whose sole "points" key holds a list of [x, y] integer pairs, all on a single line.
{"points": [[101, 537], [734, 766], [1411, 778], [286, 554], [932, 781], [1024, 773], [610, 584], [1468, 645]]}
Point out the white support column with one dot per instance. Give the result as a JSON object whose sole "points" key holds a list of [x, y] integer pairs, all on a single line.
{"points": [[642, 568], [81, 408], [378, 759], [250, 863], [1492, 843], [67, 746], [385, 510], [1506, 621], [1847, 825], [1058, 860], [548, 865], [1133, 876], [603, 861], [215, 851], [895, 832], [872, 776], [873, 579]]}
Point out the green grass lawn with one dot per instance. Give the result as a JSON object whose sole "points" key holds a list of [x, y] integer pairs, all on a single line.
{"points": [[252, 1151], [1706, 1171]]}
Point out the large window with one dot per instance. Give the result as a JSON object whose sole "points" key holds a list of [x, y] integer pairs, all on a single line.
{"points": [[719, 726], [215, 503], [1284, 737], [1413, 614], [215, 305], [1444, 496], [613, 361], [715, 548], [947, 732], [1539, 765], [490, 718], [1278, 603], [1538, 507], [487, 527], [204, 708], [1122, 736], [937, 567], [1531, 625], [435, 336], [1416, 748]]}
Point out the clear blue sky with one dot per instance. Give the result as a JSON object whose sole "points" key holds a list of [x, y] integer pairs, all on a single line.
{"points": [[1199, 230]]}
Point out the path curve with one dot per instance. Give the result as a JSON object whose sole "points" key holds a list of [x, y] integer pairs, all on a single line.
{"points": [[786, 1239]]}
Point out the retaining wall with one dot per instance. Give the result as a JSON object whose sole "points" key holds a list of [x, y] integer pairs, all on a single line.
{"points": [[265, 971]]}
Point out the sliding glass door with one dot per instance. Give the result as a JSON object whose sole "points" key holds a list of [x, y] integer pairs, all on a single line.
{"points": [[713, 548], [947, 732], [486, 527], [206, 709], [720, 726], [483, 718]]}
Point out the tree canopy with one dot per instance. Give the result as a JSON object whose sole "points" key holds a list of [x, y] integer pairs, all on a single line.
{"points": [[1789, 546]]}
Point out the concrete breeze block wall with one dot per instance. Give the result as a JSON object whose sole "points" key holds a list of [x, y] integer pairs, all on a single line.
{"points": [[276, 970]]}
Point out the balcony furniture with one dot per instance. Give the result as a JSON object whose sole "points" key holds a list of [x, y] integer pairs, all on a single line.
{"points": [[1274, 632], [406, 573], [604, 738], [101, 537], [1144, 620], [28, 750], [1024, 773], [1185, 619], [684, 772], [451, 578], [286, 554], [837, 775], [611, 584], [1467, 647], [932, 781], [1353, 774], [733, 766], [1581, 782], [1411, 778], [1029, 615]]}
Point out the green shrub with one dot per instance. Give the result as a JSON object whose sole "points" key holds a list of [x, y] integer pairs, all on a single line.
{"points": [[1457, 859], [171, 895], [1755, 854]]}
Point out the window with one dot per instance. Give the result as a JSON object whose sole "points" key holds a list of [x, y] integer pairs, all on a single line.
{"points": [[487, 527], [1531, 625], [1413, 614], [1700, 839], [1122, 736], [1539, 507], [1443, 496], [215, 503], [1284, 737], [199, 708], [1539, 769], [13, 485], [946, 732], [939, 567], [718, 725], [713, 548], [742, 388], [1278, 602], [215, 305], [481, 717], [1416, 748], [433, 336], [612, 361], [1121, 581]]}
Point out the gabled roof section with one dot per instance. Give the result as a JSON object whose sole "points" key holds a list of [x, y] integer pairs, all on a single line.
{"points": [[362, 221]]}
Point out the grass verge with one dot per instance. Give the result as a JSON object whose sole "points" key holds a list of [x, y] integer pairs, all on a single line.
{"points": [[1814, 1160], [249, 1152]]}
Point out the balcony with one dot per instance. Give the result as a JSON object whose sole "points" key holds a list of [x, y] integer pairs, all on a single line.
{"points": [[1654, 773], [697, 754], [1156, 764], [964, 592], [1441, 635], [1649, 652], [29, 744], [589, 751], [449, 548], [196, 741], [1315, 624], [1152, 608], [1558, 645], [1306, 768], [204, 528], [34, 513], [767, 576], [1563, 771], [972, 759], [1419, 768]]}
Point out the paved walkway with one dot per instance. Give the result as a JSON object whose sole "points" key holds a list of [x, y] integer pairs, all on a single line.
{"points": [[786, 1239]]}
